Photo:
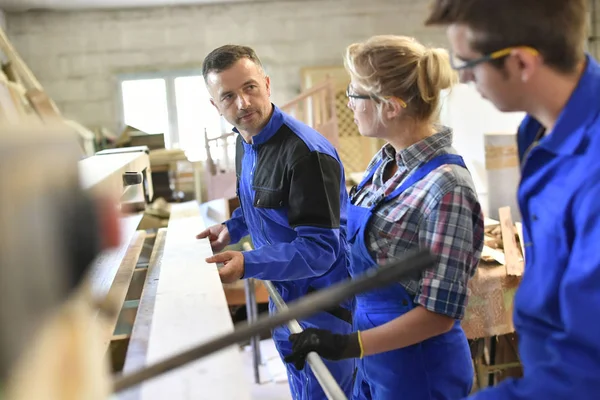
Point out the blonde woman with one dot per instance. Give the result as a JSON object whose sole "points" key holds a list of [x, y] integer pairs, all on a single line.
{"points": [[416, 192]]}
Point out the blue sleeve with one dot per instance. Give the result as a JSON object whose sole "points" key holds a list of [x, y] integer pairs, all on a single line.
{"points": [[236, 225], [311, 254], [314, 213], [574, 370]]}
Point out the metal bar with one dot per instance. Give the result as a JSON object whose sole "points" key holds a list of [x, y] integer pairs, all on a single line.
{"points": [[411, 263], [251, 315], [326, 380], [255, 339]]}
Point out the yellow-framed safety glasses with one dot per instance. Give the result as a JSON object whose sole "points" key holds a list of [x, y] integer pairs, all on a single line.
{"points": [[460, 64]]}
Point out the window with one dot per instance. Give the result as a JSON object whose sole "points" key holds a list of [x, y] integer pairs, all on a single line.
{"points": [[175, 104]]}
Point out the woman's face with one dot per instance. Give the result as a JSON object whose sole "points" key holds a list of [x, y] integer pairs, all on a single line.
{"points": [[365, 111]]}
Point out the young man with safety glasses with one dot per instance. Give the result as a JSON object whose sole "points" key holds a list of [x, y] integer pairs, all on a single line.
{"points": [[529, 55]]}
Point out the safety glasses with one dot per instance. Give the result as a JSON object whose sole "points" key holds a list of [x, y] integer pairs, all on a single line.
{"points": [[461, 64], [353, 96]]}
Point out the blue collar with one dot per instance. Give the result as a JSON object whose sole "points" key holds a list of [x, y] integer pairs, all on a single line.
{"points": [[270, 129], [579, 112]]}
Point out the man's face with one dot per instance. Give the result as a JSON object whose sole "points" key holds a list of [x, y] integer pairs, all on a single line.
{"points": [[497, 85], [242, 95]]}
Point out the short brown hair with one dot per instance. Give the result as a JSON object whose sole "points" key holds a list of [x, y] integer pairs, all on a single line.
{"points": [[225, 56], [399, 66], [555, 28]]}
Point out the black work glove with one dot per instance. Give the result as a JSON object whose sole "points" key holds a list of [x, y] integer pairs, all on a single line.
{"points": [[327, 344]]}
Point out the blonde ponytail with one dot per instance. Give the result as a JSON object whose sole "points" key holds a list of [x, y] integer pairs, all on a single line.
{"points": [[390, 66], [434, 74]]}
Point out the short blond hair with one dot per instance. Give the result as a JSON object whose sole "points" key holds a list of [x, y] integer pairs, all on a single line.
{"points": [[399, 66]]}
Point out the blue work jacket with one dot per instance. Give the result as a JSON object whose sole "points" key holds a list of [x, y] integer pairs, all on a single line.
{"points": [[292, 192], [557, 306]]}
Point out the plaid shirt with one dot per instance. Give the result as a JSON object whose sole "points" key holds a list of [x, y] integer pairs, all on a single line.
{"points": [[441, 212]]}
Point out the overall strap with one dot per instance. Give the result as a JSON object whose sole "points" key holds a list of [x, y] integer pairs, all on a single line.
{"points": [[424, 170], [357, 188], [369, 176]]}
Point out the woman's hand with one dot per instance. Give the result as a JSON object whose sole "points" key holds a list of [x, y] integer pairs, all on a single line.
{"points": [[329, 345]]}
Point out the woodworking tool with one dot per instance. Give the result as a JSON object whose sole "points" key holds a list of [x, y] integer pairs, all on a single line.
{"points": [[305, 306], [49, 229]]}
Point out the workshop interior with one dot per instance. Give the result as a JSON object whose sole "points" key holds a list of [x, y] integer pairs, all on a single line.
{"points": [[113, 159]]}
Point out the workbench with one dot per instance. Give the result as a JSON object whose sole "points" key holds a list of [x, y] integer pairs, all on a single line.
{"points": [[182, 304], [179, 294], [488, 323], [170, 303]]}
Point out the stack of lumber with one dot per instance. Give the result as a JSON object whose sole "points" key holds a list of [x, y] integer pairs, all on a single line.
{"points": [[24, 100], [21, 95], [504, 243]]}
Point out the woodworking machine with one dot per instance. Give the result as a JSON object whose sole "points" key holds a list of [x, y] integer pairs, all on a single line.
{"points": [[48, 231], [125, 172], [57, 213]]}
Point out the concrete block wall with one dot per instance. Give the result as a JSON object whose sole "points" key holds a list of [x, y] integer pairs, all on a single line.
{"points": [[77, 56], [594, 44]]}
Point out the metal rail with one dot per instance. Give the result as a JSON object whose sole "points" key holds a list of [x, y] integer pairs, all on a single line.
{"points": [[326, 380]]}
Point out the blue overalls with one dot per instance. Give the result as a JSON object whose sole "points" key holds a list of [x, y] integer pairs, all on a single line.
{"points": [[438, 368]]}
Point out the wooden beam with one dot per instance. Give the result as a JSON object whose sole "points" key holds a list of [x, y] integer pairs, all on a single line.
{"points": [[104, 268], [138, 345], [190, 308], [519, 228], [120, 286], [514, 258]]}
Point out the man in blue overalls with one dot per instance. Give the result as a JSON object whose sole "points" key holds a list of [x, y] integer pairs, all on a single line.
{"points": [[528, 55], [291, 187]]}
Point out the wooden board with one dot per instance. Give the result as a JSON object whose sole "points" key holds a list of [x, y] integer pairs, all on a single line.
{"points": [[514, 259], [104, 268], [43, 105], [519, 228], [137, 350], [118, 290], [488, 254], [189, 309]]}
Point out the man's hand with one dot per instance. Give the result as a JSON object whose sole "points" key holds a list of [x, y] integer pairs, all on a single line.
{"points": [[233, 265], [218, 236], [327, 344]]}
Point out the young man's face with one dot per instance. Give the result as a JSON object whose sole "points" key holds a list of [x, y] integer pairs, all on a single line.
{"points": [[242, 95], [497, 85]]}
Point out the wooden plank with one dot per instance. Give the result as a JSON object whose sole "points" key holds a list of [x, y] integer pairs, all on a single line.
{"points": [[490, 222], [488, 254], [45, 108], [190, 308], [514, 259], [118, 289], [17, 62], [519, 228], [138, 345], [104, 268]]}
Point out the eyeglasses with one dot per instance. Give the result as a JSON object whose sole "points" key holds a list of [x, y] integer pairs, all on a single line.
{"points": [[352, 96], [460, 64]]}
